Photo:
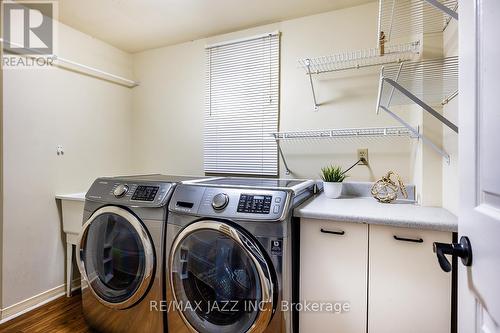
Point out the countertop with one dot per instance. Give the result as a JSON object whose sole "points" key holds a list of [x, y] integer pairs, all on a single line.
{"points": [[368, 210], [72, 196]]}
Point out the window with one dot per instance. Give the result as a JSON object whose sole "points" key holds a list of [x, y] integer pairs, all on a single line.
{"points": [[242, 106]]}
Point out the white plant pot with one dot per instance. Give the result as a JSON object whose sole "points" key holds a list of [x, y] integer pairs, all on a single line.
{"points": [[332, 190]]}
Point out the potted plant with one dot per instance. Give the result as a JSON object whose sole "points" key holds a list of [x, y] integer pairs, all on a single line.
{"points": [[333, 176]]}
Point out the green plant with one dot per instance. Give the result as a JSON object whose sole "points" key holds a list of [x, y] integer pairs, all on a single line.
{"points": [[333, 174]]}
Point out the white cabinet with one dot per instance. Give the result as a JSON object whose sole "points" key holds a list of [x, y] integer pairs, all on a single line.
{"points": [[389, 276], [333, 268], [408, 291]]}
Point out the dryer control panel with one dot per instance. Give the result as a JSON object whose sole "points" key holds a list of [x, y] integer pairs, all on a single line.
{"points": [[141, 194]]}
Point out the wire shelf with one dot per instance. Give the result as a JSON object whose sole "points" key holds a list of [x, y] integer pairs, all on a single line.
{"points": [[402, 18], [360, 58], [424, 83], [345, 133], [433, 81]]}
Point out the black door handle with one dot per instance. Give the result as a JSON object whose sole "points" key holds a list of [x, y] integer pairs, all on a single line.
{"points": [[462, 250]]}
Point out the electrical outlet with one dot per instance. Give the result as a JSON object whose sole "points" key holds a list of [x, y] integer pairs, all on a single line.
{"points": [[363, 154]]}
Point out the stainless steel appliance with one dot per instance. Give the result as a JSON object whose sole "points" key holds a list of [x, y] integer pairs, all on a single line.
{"points": [[120, 252], [229, 255]]}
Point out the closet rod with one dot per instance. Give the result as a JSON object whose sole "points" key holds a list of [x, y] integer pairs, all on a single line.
{"points": [[95, 72]]}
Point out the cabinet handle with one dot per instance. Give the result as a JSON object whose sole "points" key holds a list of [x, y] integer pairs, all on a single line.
{"points": [[402, 239], [341, 233]]}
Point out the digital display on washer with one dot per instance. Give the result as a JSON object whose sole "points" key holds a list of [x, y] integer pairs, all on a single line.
{"points": [[145, 193], [256, 204]]}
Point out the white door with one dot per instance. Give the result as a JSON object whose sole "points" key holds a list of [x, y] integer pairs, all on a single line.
{"points": [[479, 142]]}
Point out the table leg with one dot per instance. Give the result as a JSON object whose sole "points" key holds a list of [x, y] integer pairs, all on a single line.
{"points": [[69, 268]]}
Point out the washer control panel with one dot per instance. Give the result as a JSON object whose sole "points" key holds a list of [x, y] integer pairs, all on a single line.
{"points": [[125, 192], [245, 204], [145, 193], [255, 204]]}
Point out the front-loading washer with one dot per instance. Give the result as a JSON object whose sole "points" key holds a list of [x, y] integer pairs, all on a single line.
{"points": [[229, 255], [121, 253]]}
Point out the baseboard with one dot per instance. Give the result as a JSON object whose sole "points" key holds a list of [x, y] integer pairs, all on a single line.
{"points": [[36, 301], [76, 284]]}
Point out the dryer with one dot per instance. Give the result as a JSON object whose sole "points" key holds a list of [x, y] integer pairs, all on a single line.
{"points": [[229, 255], [120, 253]]}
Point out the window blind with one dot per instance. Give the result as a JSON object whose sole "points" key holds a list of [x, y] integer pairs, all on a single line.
{"points": [[242, 106]]}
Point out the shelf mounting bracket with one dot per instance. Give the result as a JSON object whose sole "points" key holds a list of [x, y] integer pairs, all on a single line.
{"points": [[416, 133], [309, 73], [420, 103], [443, 8], [447, 99], [287, 169]]}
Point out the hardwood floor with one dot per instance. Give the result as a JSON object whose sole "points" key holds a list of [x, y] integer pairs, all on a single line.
{"points": [[63, 315]]}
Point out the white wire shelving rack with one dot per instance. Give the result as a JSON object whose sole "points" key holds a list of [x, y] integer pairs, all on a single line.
{"points": [[78, 67], [426, 83], [360, 58], [403, 18], [344, 134], [349, 60]]}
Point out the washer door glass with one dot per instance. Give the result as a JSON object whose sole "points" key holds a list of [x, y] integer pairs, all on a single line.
{"points": [[216, 281], [114, 258]]}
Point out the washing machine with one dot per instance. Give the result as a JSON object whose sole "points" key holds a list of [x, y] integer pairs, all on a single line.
{"points": [[120, 253], [229, 255]]}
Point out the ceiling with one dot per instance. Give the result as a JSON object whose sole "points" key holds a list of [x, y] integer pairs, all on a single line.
{"points": [[138, 25]]}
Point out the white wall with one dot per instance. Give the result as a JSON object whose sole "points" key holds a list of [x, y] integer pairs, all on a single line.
{"points": [[42, 108], [168, 111]]}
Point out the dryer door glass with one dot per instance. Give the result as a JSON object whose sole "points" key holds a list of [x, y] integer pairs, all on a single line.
{"points": [[114, 257], [220, 279]]}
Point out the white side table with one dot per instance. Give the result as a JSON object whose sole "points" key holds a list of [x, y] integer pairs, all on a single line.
{"points": [[72, 220]]}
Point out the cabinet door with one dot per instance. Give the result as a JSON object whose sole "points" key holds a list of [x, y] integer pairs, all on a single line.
{"points": [[408, 291], [333, 268]]}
